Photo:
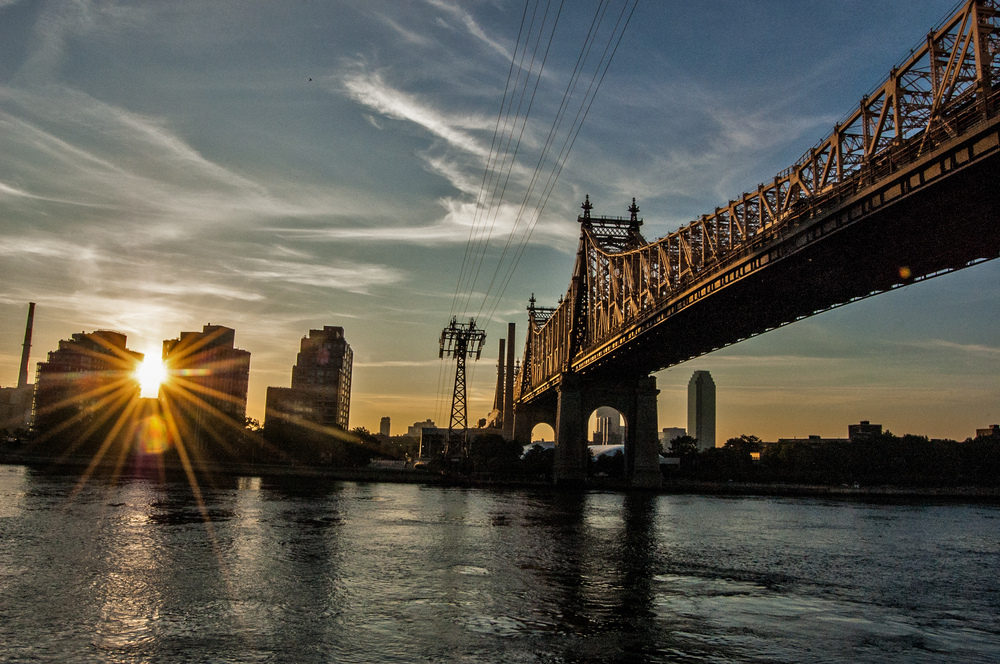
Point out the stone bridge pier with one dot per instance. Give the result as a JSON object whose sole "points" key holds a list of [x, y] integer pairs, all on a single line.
{"points": [[567, 408]]}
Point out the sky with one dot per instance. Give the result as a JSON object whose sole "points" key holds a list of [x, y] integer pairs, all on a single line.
{"points": [[280, 166]]}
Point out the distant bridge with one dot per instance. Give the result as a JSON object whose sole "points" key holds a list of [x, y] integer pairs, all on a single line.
{"points": [[906, 188]]}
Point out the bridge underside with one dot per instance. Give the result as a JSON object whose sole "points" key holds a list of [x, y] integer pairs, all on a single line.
{"points": [[886, 236], [928, 217]]}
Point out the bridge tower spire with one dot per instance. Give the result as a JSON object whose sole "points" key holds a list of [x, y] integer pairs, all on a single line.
{"points": [[634, 222], [460, 340]]}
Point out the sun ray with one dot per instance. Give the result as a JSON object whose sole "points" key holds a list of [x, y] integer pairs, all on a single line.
{"points": [[112, 436], [151, 374]]}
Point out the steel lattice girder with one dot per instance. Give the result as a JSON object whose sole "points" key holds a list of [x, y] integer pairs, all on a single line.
{"points": [[942, 89]]}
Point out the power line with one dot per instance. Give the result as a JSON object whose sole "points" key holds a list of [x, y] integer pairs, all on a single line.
{"points": [[486, 171], [571, 86], [509, 132], [567, 147], [496, 199]]}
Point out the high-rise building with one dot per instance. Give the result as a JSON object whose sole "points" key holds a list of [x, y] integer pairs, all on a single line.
{"points": [[207, 386], [320, 395], [701, 409], [384, 427], [84, 393]]}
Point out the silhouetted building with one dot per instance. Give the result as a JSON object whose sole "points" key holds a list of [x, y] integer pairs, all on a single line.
{"points": [[383, 427], [668, 434], [433, 441], [701, 409], [992, 430], [812, 440], [15, 402], [320, 396], [417, 427], [206, 390], [324, 364], [85, 393], [863, 430], [15, 407]]}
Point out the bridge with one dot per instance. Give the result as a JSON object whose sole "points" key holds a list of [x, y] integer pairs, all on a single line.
{"points": [[905, 188]]}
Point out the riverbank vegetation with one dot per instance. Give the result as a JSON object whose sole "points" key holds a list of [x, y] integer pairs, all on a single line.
{"points": [[883, 459]]}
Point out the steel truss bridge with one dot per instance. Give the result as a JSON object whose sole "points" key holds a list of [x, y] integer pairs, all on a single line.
{"points": [[906, 188]]}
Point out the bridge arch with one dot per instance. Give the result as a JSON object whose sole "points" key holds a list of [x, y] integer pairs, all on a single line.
{"points": [[570, 404], [606, 425], [543, 432]]}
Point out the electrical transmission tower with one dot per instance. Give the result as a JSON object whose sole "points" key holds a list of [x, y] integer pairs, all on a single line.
{"points": [[460, 340]]}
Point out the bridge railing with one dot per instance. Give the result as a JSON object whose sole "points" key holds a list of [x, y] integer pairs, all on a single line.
{"points": [[945, 86]]}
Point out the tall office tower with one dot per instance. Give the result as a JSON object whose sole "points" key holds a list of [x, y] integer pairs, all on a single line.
{"points": [[323, 366], [320, 395], [207, 386], [85, 392], [701, 409], [383, 427]]}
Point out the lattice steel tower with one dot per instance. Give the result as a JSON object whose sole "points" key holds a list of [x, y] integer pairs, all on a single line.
{"points": [[460, 340]]}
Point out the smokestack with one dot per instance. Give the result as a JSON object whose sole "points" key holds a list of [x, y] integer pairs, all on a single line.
{"points": [[508, 402], [22, 377], [498, 400]]}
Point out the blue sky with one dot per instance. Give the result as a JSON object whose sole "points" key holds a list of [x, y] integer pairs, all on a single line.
{"points": [[280, 166]]}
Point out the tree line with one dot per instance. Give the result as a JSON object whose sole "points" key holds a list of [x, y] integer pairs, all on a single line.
{"points": [[881, 459]]}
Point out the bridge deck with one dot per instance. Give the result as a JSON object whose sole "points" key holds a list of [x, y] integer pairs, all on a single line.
{"points": [[934, 215]]}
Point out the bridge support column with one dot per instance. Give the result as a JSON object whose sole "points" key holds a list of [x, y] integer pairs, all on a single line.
{"points": [[522, 425], [527, 415], [572, 454], [642, 446]]}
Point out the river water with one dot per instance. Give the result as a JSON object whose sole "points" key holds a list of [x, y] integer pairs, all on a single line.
{"points": [[142, 571]]}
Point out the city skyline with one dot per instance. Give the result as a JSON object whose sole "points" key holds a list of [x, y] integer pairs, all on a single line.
{"points": [[166, 169]]}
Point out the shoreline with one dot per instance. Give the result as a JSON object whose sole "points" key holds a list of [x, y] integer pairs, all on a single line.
{"points": [[281, 473]]}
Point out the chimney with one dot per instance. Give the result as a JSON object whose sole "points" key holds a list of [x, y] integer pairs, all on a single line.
{"points": [[498, 400], [22, 377], [508, 402]]}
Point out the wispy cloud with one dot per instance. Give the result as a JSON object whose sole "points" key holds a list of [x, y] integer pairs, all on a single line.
{"points": [[189, 289], [346, 276], [67, 147], [972, 349], [410, 36], [371, 90], [453, 228], [773, 361], [47, 247], [468, 22], [709, 146]]}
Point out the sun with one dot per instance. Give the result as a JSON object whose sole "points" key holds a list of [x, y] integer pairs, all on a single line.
{"points": [[151, 373]]}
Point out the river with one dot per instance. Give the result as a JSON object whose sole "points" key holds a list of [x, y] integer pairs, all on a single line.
{"points": [[136, 570]]}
